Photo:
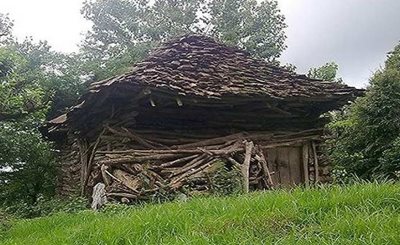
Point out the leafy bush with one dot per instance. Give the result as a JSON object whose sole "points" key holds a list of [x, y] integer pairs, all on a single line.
{"points": [[326, 72], [226, 181], [340, 175], [27, 169], [390, 159]]}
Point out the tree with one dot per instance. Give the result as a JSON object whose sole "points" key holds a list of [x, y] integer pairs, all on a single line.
{"points": [[6, 25], [20, 92], [31, 75], [327, 72], [256, 27], [367, 141], [33, 78], [125, 30], [25, 159]]}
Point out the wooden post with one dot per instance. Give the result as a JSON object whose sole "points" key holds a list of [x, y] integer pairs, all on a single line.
{"points": [[246, 165], [305, 165], [264, 163], [316, 168], [83, 153]]}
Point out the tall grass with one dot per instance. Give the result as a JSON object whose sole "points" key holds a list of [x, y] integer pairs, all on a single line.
{"points": [[357, 214]]}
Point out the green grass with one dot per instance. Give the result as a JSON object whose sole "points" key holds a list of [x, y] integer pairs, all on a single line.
{"points": [[358, 214]]}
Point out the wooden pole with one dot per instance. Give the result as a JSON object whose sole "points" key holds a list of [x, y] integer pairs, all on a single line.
{"points": [[305, 164], [246, 165], [83, 153], [316, 167], [267, 174]]}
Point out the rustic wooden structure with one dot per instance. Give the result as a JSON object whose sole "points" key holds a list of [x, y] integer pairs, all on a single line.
{"points": [[194, 105]]}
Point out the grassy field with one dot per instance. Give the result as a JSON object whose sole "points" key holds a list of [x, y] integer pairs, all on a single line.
{"points": [[359, 214]]}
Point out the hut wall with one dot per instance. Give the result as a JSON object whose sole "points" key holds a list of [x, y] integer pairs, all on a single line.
{"points": [[138, 164]]}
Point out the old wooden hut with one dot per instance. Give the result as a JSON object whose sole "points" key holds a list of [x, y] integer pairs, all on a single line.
{"points": [[192, 105]]}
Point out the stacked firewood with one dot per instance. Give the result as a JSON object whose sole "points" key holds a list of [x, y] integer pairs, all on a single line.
{"points": [[69, 171], [135, 166], [324, 165]]}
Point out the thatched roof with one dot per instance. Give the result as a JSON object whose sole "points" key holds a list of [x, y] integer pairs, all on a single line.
{"points": [[197, 68], [198, 65]]}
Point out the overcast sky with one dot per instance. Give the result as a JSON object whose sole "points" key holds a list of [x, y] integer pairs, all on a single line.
{"points": [[356, 34]]}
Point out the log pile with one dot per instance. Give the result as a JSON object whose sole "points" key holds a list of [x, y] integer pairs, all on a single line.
{"points": [[136, 166]]}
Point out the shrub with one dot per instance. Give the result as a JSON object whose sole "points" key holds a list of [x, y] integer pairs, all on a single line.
{"points": [[226, 181], [366, 136], [27, 167], [45, 207]]}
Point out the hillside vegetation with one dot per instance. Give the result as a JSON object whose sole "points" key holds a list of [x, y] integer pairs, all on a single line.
{"points": [[358, 214]]}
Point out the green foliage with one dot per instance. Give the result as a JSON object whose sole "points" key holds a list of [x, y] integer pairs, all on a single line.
{"points": [[34, 79], [253, 25], [6, 25], [47, 206], [21, 90], [340, 175], [327, 72], [393, 61], [117, 208], [125, 30], [356, 214], [390, 159], [226, 181], [290, 67], [366, 134], [26, 162]]}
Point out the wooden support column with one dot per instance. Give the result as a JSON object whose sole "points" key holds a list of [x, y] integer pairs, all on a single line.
{"points": [[305, 164], [83, 153], [316, 168], [246, 165]]}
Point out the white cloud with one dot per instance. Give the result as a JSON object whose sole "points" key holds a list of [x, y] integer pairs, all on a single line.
{"points": [[356, 34], [57, 21]]}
